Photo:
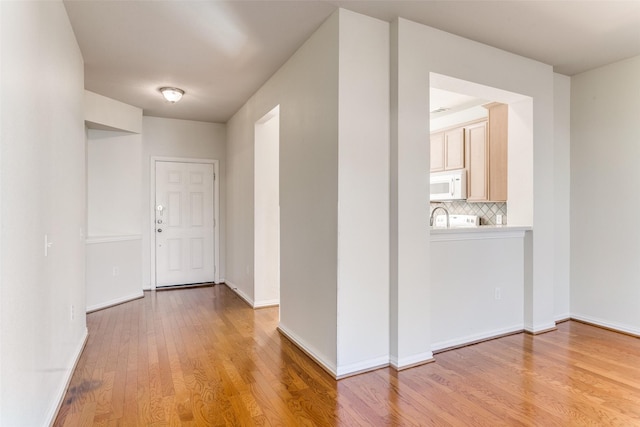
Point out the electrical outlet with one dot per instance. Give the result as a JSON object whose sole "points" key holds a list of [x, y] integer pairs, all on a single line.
{"points": [[47, 245], [498, 219], [116, 271], [498, 294], [73, 312]]}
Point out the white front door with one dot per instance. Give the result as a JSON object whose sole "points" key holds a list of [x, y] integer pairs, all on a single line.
{"points": [[184, 223]]}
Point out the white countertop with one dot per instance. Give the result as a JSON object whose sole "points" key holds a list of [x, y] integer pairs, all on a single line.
{"points": [[482, 232]]}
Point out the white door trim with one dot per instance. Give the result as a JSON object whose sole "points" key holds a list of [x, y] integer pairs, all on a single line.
{"points": [[216, 212]]}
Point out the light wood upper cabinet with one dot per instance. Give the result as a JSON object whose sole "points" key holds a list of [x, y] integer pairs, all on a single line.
{"points": [[437, 152], [447, 150], [454, 149], [486, 158], [477, 165], [498, 143]]}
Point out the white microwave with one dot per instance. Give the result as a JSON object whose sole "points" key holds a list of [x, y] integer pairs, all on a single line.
{"points": [[448, 185]]}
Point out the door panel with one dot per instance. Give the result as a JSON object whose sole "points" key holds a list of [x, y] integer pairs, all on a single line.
{"points": [[477, 162], [197, 254], [197, 210], [184, 223], [174, 254]]}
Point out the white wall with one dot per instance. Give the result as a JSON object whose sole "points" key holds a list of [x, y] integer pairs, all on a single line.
{"points": [[605, 243], [422, 50], [114, 271], [410, 322], [520, 195], [562, 194], [42, 192], [267, 210], [105, 113], [240, 198], [179, 139], [306, 88], [333, 95], [363, 193], [113, 183], [477, 287], [114, 210]]}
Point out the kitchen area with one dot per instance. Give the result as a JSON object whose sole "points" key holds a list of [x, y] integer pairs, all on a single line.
{"points": [[479, 260]]}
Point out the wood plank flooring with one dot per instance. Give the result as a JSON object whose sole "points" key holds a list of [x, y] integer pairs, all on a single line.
{"points": [[202, 357]]}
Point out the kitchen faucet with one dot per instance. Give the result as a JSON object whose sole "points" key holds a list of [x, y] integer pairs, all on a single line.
{"points": [[433, 214]]}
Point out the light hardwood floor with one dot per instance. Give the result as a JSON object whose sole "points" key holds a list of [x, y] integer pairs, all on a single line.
{"points": [[202, 357]]}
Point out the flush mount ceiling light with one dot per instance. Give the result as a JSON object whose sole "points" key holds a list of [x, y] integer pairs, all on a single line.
{"points": [[171, 94]]}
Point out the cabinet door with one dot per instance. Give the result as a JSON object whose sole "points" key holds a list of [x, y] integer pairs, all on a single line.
{"points": [[476, 156], [497, 152], [437, 152], [454, 149]]}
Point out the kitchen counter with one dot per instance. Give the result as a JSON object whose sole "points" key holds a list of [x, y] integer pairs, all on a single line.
{"points": [[481, 232]]}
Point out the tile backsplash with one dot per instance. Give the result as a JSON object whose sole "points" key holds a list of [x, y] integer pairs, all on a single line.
{"points": [[486, 211]]}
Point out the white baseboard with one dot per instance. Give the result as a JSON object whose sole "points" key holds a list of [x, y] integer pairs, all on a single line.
{"points": [[314, 354], [115, 301], [249, 300], [266, 303], [400, 363], [562, 317], [240, 293], [540, 328], [620, 327], [361, 367], [57, 403], [475, 338]]}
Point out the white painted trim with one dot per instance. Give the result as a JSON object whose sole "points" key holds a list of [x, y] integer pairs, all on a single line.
{"points": [[620, 327], [53, 411], [91, 240], [562, 317], [482, 336], [248, 299], [361, 367], [240, 293], [314, 354], [536, 329], [115, 301], [407, 362], [479, 233], [270, 115], [216, 212], [266, 303]]}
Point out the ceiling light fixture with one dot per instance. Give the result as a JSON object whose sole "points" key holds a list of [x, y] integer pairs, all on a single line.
{"points": [[171, 94]]}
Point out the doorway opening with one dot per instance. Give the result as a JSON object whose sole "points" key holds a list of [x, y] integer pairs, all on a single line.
{"points": [[267, 210]]}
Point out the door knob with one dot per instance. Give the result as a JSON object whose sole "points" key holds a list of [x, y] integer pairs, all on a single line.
{"points": [[159, 230]]}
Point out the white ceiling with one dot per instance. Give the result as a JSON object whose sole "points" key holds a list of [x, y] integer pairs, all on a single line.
{"points": [[221, 52]]}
